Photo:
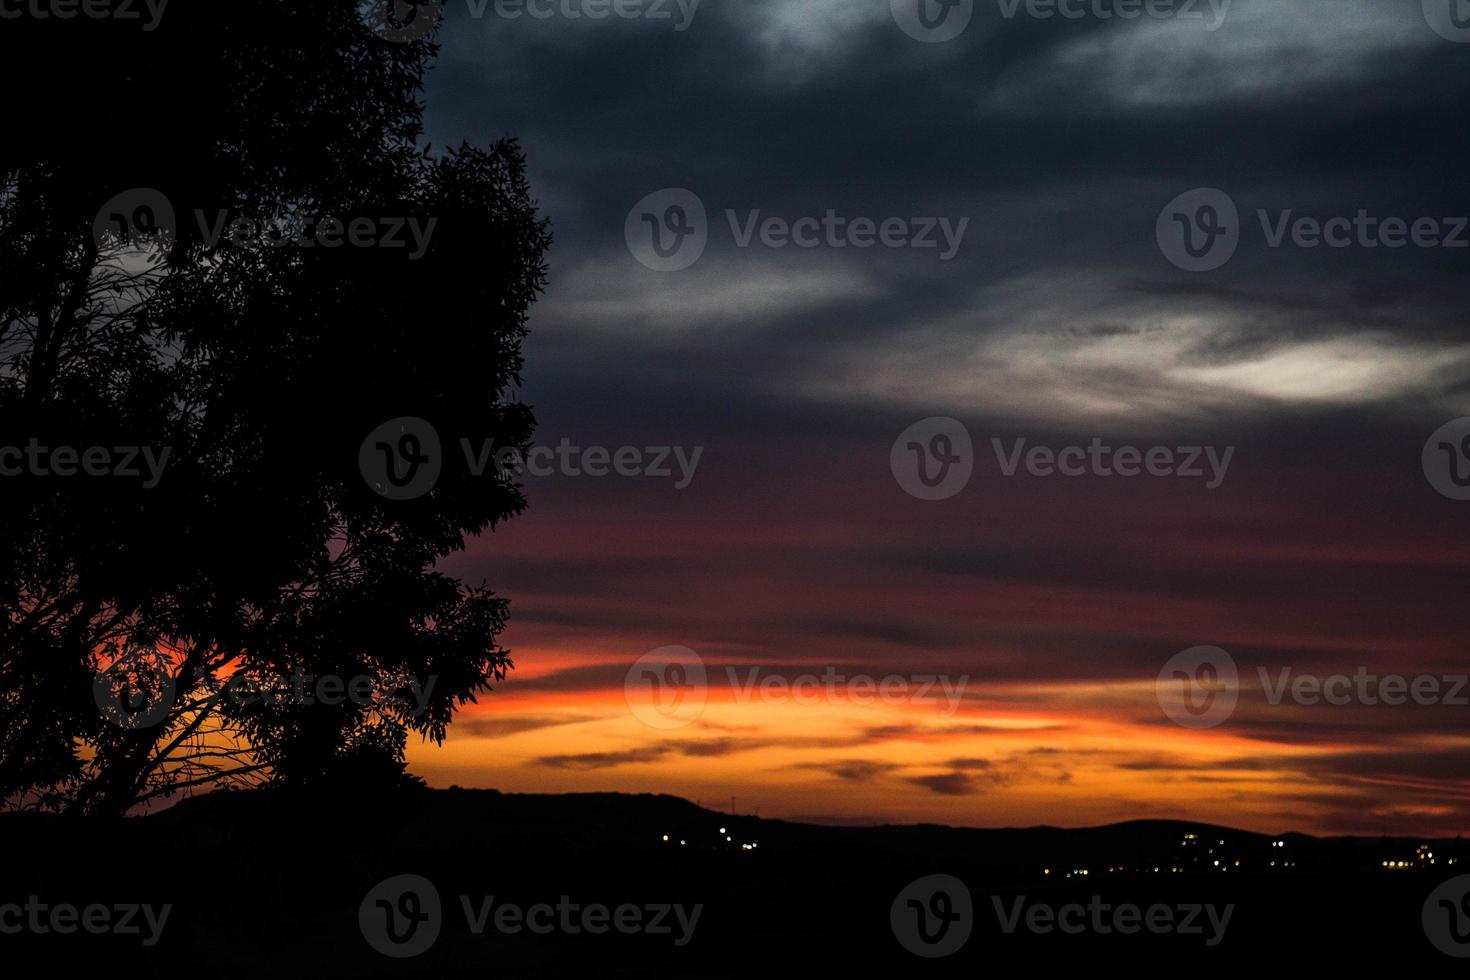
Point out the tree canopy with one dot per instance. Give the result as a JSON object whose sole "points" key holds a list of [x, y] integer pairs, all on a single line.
{"points": [[166, 286]]}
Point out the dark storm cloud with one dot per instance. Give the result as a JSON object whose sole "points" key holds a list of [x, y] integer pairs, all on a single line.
{"points": [[881, 733], [701, 749], [796, 108], [604, 760], [852, 770], [490, 726], [947, 784]]}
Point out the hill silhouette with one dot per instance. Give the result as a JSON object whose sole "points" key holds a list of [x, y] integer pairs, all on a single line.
{"points": [[261, 881]]}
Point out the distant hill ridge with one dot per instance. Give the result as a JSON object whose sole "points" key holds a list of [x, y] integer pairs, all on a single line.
{"points": [[597, 822]]}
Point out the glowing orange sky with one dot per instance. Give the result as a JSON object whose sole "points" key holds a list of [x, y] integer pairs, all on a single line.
{"points": [[1060, 601]]}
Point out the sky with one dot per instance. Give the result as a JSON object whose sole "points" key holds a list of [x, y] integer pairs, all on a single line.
{"points": [[1066, 156]]}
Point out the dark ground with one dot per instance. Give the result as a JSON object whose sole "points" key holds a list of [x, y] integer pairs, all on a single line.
{"points": [[261, 887]]}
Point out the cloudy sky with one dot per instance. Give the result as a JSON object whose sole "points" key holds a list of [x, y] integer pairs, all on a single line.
{"points": [[1069, 309]]}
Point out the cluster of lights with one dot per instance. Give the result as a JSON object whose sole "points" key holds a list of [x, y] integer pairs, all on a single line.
{"points": [[1120, 869], [1423, 857], [724, 832]]}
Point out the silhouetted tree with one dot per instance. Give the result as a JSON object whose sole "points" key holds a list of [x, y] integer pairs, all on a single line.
{"points": [[262, 552]]}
